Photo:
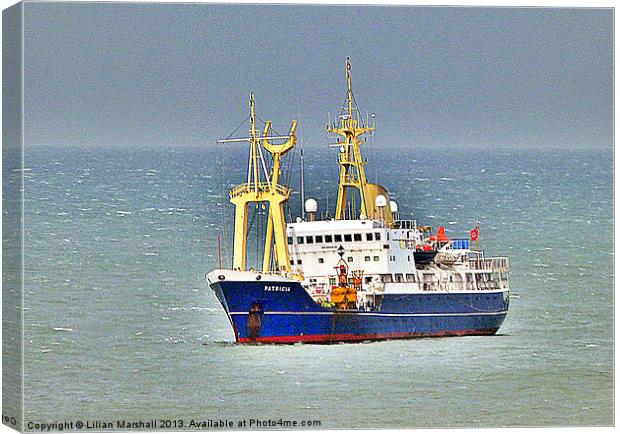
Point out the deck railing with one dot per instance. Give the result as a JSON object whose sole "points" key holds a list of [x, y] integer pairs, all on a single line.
{"points": [[262, 187], [498, 263]]}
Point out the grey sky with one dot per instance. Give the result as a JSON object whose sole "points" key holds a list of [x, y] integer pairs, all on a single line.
{"points": [[180, 74]]}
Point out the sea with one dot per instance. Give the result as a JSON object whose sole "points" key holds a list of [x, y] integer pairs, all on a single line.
{"points": [[121, 325]]}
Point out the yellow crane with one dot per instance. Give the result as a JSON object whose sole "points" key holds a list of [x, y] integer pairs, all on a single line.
{"points": [[262, 186]]}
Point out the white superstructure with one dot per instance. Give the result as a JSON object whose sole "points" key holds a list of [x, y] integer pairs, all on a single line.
{"points": [[387, 258]]}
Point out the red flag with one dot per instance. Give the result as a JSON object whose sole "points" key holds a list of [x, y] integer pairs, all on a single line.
{"points": [[473, 234]]}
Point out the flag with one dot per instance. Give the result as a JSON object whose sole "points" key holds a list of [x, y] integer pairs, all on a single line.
{"points": [[473, 234]]}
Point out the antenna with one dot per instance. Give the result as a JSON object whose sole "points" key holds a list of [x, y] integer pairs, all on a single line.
{"points": [[301, 162], [302, 192]]}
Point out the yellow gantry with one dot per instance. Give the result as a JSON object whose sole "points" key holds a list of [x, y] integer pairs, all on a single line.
{"points": [[262, 187], [352, 174]]}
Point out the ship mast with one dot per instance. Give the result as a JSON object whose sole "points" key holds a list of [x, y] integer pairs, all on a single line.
{"points": [[262, 186], [349, 131]]}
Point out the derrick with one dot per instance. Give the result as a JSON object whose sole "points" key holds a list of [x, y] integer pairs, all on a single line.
{"points": [[262, 186]]}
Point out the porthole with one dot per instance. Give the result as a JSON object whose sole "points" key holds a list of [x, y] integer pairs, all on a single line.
{"points": [[221, 277]]}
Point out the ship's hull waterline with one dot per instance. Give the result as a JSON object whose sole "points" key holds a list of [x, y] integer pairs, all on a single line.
{"points": [[283, 312]]}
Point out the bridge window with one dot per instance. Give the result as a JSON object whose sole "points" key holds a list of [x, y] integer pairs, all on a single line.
{"points": [[321, 260], [350, 259], [309, 239], [300, 240], [386, 278], [377, 236], [369, 236], [357, 237], [347, 238], [328, 238], [299, 262], [338, 238], [318, 239], [289, 240], [292, 262], [375, 258], [367, 258]]}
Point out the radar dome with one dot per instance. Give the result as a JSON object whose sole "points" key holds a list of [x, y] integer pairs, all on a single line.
{"points": [[393, 206], [380, 201], [311, 205]]}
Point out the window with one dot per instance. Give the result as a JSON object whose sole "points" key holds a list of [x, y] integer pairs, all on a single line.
{"points": [[300, 240], [350, 259], [299, 262], [318, 239], [408, 258], [399, 278], [290, 240], [357, 237], [292, 262], [309, 239], [377, 236], [369, 236], [347, 238], [321, 260], [367, 258], [338, 238], [328, 238], [375, 258], [388, 236]]}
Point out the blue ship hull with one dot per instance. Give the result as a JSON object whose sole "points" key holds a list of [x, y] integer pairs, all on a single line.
{"points": [[283, 312]]}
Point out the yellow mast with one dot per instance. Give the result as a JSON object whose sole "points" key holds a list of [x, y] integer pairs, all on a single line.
{"points": [[352, 174], [277, 151], [257, 190]]}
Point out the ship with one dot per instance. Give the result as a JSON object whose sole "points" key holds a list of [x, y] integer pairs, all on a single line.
{"points": [[362, 273]]}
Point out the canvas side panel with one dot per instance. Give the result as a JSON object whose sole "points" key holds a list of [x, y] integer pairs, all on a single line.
{"points": [[12, 224]]}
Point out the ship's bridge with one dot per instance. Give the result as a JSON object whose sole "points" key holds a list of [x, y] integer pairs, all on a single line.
{"points": [[313, 245]]}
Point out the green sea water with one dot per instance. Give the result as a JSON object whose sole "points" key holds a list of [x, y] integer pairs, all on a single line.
{"points": [[120, 323]]}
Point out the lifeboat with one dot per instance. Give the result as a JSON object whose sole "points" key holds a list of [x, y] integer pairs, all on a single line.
{"points": [[423, 257]]}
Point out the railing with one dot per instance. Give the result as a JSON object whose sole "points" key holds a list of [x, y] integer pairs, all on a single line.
{"points": [[263, 187], [499, 263]]}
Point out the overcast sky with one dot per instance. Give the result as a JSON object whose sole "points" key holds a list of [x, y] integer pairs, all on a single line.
{"points": [[167, 75]]}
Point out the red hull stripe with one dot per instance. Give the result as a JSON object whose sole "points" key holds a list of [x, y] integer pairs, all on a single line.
{"points": [[362, 337]]}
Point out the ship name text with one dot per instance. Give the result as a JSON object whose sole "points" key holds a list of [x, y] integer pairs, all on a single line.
{"points": [[275, 288]]}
